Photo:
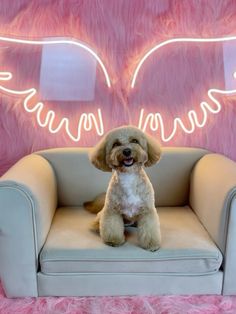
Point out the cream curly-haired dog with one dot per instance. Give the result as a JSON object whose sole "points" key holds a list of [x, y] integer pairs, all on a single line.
{"points": [[130, 195]]}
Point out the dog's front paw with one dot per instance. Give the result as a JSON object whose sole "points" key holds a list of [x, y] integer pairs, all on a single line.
{"points": [[149, 234], [151, 247], [150, 244], [115, 241]]}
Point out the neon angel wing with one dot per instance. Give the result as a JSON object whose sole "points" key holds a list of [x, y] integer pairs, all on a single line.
{"points": [[177, 84], [51, 72]]}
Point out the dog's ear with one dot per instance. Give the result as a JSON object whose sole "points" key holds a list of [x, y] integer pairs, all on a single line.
{"points": [[153, 151], [98, 156]]}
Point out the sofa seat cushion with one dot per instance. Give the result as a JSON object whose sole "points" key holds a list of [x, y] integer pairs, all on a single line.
{"points": [[71, 247]]}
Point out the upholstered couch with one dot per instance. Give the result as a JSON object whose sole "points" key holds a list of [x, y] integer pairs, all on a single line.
{"points": [[47, 248]]}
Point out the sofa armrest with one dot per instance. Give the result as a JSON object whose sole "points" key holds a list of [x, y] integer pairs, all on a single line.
{"points": [[213, 198], [212, 188], [28, 199]]}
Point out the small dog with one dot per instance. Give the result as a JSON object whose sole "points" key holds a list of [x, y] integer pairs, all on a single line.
{"points": [[130, 195]]}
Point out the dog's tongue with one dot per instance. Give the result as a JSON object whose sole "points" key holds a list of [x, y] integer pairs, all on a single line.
{"points": [[128, 161]]}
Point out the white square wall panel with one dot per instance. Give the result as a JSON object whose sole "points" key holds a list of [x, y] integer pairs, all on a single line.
{"points": [[229, 51], [68, 73]]}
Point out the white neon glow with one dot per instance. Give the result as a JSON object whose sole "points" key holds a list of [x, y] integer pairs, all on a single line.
{"points": [[87, 120], [57, 42], [155, 120], [5, 76], [171, 41]]}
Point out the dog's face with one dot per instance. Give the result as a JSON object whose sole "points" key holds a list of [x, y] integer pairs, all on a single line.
{"points": [[124, 148]]}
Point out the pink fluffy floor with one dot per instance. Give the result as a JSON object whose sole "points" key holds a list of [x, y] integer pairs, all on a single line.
{"points": [[119, 305]]}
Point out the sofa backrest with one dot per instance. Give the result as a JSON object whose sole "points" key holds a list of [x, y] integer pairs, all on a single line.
{"points": [[79, 181]]}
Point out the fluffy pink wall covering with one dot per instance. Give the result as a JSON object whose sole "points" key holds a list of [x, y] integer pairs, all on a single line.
{"points": [[172, 82]]}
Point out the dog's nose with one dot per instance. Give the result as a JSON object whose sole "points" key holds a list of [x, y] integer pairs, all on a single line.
{"points": [[127, 152]]}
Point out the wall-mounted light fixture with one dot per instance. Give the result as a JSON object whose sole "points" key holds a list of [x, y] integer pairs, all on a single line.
{"points": [[155, 120], [87, 121]]}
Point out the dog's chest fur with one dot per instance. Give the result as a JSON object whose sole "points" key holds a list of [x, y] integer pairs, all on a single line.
{"points": [[130, 199]]}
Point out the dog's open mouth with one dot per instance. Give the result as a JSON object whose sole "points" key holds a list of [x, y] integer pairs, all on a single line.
{"points": [[128, 162]]}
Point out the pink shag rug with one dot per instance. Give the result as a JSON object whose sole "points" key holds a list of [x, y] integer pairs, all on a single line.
{"points": [[119, 305]]}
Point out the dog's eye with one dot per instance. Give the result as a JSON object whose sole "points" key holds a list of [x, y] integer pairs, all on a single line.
{"points": [[134, 141], [116, 144]]}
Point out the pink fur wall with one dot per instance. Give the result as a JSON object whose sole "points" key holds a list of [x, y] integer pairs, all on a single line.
{"points": [[172, 81]]}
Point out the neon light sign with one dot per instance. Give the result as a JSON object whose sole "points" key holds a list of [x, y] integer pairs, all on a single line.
{"points": [[58, 42], [155, 120], [171, 41], [86, 120]]}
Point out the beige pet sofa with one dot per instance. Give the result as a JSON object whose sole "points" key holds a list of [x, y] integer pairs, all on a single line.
{"points": [[47, 249]]}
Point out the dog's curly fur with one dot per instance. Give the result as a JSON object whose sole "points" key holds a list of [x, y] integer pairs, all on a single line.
{"points": [[130, 195]]}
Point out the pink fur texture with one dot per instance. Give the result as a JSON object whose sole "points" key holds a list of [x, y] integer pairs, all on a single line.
{"points": [[120, 305], [172, 81]]}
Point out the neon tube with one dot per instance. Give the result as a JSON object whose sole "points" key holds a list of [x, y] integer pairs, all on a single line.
{"points": [[85, 122], [175, 40], [56, 42], [155, 120]]}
